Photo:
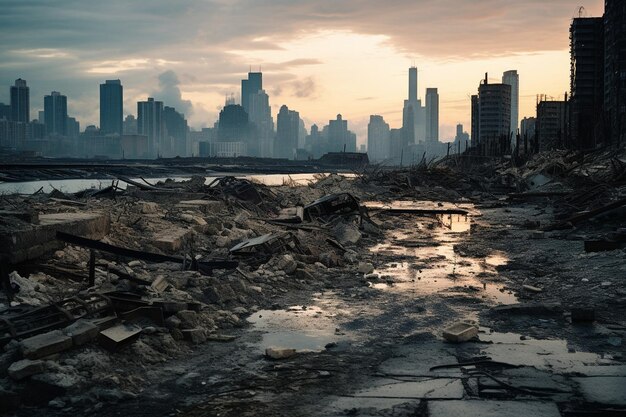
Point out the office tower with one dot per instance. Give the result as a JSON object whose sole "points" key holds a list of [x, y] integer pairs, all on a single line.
{"points": [[493, 107], [586, 82], [175, 132], [461, 136], [378, 145], [72, 127], [234, 132], [252, 85], [260, 113], [552, 123], [41, 117], [130, 125], [527, 128], [339, 137], [5, 111], [432, 115], [111, 107], [413, 114], [20, 101], [512, 78], [150, 124], [475, 136], [287, 132], [55, 113], [615, 70]]}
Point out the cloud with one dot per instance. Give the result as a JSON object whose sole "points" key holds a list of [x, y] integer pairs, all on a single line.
{"points": [[304, 88], [170, 94]]}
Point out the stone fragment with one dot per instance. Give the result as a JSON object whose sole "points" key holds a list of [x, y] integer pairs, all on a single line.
{"points": [[159, 284], [25, 368], [365, 268], [81, 332], [115, 338], [195, 336], [45, 344], [279, 353], [460, 332]]}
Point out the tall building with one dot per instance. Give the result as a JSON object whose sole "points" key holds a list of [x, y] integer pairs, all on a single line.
{"points": [[492, 120], [130, 125], [339, 137], [260, 113], [72, 127], [378, 143], [552, 123], [55, 114], [250, 86], [287, 132], [413, 114], [234, 132], [475, 126], [20, 101], [111, 108], [586, 82], [528, 127], [432, 115], [512, 78], [615, 69], [176, 130], [150, 123], [461, 136]]}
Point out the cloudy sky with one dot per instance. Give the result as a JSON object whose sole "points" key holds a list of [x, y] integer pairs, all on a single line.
{"points": [[320, 57]]}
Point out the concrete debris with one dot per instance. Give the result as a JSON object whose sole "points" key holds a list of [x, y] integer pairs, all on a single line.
{"points": [[460, 332], [45, 344], [25, 368], [117, 337], [365, 268], [279, 353]]}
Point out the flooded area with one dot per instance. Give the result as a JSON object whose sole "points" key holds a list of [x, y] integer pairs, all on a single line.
{"points": [[424, 260], [76, 185]]}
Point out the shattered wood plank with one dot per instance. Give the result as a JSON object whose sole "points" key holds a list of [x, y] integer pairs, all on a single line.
{"points": [[565, 224]]}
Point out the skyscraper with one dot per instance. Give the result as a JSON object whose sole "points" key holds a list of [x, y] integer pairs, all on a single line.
{"points": [[491, 115], [378, 142], [260, 113], [252, 85], [413, 114], [287, 132], [55, 114], [111, 107], [512, 78], [586, 81], [432, 115], [20, 101], [176, 132], [150, 123], [339, 137], [615, 69]]}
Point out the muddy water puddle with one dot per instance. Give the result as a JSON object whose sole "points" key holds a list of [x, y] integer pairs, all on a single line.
{"points": [[426, 263], [304, 328]]}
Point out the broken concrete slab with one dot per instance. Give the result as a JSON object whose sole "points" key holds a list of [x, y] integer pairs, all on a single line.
{"points": [[45, 344], [279, 353], [159, 284], [195, 336], [117, 337], [460, 332], [608, 390], [205, 206], [31, 241], [82, 331], [420, 388], [475, 408], [25, 368], [171, 240]]}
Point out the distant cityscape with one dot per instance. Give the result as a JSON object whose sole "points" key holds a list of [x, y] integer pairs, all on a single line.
{"points": [[591, 114]]}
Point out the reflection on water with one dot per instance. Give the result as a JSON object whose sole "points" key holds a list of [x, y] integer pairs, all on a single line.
{"points": [[75, 185], [457, 223], [309, 328], [424, 261]]}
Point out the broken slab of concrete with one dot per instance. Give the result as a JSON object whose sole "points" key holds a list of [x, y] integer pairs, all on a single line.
{"points": [[608, 390], [171, 240], [460, 408], [116, 337], [279, 353], [45, 344], [205, 206], [31, 241], [25, 368], [460, 332], [81, 332]]}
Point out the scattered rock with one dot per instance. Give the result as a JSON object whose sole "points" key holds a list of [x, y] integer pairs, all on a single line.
{"points": [[279, 353], [25, 368], [365, 268]]}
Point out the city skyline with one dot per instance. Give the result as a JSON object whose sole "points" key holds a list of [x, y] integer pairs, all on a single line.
{"points": [[362, 74]]}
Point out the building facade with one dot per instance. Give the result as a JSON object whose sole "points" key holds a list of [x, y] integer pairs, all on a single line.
{"points": [[615, 70], [55, 114], [111, 108], [378, 139], [20, 101], [432, 115], [512, 78], [287, 133], [150, 123]]}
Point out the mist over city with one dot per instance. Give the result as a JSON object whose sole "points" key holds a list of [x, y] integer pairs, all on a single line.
{"points": [[312, 208]]}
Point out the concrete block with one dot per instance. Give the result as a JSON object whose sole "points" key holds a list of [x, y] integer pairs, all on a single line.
{"points": [[461, 408], [171, 240], [45, 344], [116, 337], [205, 206], [608, 390], [195, 336], [81, 332], [25, 368]]}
